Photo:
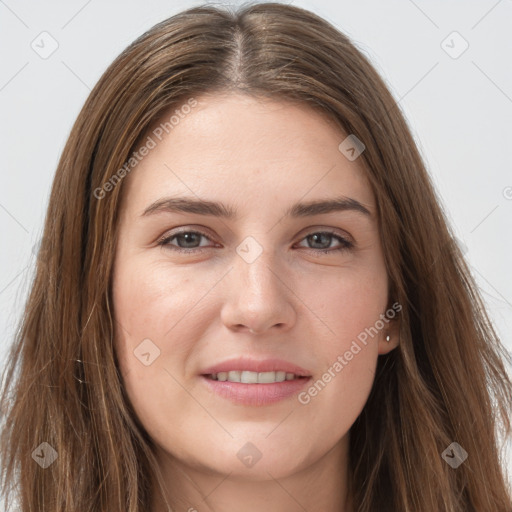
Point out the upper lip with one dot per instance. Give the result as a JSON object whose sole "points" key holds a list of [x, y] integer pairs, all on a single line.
{"points": [[255, 365]]}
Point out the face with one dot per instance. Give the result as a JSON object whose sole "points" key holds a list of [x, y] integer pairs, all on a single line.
{"points": [[274, 289]]}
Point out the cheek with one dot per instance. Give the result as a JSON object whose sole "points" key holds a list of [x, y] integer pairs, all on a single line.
{"points": [[340, 389], [350, 310], [350, 304], [159, 310], [143, 295], [349, 375], [142, 302], [155, 333], [150, 302]]}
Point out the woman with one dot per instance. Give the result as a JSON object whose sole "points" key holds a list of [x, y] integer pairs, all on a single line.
{"points": [[252, 368]]}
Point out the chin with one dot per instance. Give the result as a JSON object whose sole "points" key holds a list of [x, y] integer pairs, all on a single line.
{"points": [[247, 462]]}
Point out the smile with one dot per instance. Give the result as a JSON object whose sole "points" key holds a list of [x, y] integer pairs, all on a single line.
{"points": [[248, 377]]}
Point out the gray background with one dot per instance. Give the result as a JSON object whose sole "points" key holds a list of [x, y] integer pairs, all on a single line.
{"points": [[459, 108]]}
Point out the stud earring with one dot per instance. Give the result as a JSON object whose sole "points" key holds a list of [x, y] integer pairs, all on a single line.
{"points": [[387, 337]]}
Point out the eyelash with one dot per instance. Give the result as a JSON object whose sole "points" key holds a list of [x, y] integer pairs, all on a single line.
{"points": [[164, 242]]}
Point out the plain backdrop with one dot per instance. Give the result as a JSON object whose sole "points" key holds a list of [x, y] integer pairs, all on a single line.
{"points": [[446, 63]]}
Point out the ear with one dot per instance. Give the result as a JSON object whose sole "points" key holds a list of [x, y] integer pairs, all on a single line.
{"points": [[391, 330]]}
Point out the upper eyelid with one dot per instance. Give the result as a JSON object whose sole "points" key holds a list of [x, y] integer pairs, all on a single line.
{"points": [[332, 231], [169, 236]]}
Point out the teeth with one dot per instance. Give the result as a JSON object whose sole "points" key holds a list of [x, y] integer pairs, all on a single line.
{"points": [[233, 376], [247, 377]]}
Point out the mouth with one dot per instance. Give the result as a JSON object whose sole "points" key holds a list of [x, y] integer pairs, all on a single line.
{"points": [[247, 388], [255, 382], [249, 377]]}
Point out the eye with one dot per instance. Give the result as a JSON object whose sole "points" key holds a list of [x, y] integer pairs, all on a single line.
{"points": [[190, 239], [321, 237]]}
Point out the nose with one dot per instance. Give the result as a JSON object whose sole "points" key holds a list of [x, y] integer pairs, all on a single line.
{"points": [[257, 297]]}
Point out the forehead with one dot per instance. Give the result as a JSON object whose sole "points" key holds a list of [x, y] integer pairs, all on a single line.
{"points": [[246, 151]]}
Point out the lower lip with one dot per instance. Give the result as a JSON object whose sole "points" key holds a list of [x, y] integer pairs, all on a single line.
{"points": [[256, 394]]}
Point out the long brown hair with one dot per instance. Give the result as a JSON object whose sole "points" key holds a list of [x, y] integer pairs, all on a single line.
{"points": [[446, 382]]}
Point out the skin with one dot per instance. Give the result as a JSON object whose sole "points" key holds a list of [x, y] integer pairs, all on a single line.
{"points": [[304, 306]]}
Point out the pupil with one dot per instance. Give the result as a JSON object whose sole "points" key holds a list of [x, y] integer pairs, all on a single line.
{"points": [[319, 235], [187, 236]]}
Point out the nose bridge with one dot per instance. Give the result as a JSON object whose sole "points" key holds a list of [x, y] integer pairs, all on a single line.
{"points": [[257, 297], [255, 267]]}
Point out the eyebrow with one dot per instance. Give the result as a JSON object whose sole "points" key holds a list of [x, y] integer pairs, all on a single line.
{"points": [[216, 209]]}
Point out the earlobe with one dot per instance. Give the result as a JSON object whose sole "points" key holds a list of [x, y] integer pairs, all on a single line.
{"points": [[390, 338], [388, 343]]}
